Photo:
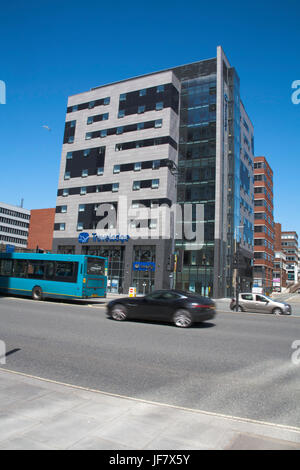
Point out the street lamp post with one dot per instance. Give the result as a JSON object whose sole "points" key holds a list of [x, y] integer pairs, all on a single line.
{"points": [[237, 260], [204, 264], [174, 170]]}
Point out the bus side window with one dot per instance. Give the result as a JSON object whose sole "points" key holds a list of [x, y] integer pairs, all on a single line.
{"points": [[20, 268], [6, 267], [49, 270], [66, 271], [36, 269]]}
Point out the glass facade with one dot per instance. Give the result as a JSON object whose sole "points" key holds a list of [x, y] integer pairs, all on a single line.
{"points": [[143, 274], [115, 256], [196, 179], [234, 175]]}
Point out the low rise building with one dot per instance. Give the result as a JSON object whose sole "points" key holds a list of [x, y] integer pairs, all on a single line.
{"points": [[14, 226], [40, 235]]}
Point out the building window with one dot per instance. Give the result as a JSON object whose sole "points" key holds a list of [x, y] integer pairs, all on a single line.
{"points": [[121, 113], [90, 120], [69, 155], [160, 89], [85, 173], [71, 139], [156, 165], [141, 109], [100, 171], [91, 104], [159, 106], [140, 126], [74, 108], [62, 227], [115, 187], [105, 117], [118, 147], [86, 152], [65, 192], [123, 97], [83, 190], [137, 166], [120, 130], [106, 101], [117, 169], [143, 92], [80, 226], [158, 123], [64, 209], [67, 175], [88, 136], [103, 133], [81, 208], [136, 185], [155, 184], [153, 224]]}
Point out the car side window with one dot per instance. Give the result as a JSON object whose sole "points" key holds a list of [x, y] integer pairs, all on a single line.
{"points": [[260, 298], [170, 296], [154, 296], [247, 297]]}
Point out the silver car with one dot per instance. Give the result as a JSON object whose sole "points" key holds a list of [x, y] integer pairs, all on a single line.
{"points": [[249, 302]]}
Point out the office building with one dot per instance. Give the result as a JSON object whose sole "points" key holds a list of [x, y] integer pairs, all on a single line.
{"points": [[289, 245], [280, 265], [264, 235], [177, 136], [14, 226]]}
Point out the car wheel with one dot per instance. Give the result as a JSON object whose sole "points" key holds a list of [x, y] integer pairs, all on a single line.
{"points": [[182, 319], [277, 311], [119, 313], [37, 293]]}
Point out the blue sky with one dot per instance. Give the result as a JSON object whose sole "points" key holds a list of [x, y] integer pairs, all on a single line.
{"points": [[53, 49]]}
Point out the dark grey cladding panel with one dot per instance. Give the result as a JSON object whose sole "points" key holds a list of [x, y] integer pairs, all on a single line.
{"points": [[198, 69], [79, 162]]}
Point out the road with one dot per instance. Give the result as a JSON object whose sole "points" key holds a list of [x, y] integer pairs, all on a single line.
{"points": [[238, 365]]}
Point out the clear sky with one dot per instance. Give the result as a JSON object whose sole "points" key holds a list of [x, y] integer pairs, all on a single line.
{"points": [[53, 49]]}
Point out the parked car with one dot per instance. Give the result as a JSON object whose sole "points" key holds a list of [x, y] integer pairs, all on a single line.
{"points": [[249, 302], [181, 308]]}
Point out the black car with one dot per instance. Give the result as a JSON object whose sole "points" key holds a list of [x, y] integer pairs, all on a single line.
{"points": [[181, 308]]}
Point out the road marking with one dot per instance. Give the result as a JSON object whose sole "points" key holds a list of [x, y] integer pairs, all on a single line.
{"points": [[270, 315], [140, 400], [54, 302]]}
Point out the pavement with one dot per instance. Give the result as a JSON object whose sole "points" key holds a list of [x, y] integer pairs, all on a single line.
{"points": [[39, 414]]}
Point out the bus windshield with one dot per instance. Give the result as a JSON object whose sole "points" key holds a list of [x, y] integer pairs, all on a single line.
{"points": [[96, 266]]}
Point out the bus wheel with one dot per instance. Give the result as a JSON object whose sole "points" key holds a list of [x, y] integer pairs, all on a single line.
{"points": [[37, 293]]}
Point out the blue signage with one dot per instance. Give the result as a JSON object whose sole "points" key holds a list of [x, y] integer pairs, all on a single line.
{"points": [[85, 237], [10, 249], [143, 266]]}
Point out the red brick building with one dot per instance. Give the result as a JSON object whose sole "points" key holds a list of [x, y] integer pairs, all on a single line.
{"points": [[263, 225], [41, 229]]}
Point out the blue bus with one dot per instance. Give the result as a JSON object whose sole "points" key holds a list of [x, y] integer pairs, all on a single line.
{"points": [[43, 276]]}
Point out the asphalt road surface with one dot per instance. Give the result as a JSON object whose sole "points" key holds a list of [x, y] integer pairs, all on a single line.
{"points": [[239, 364]]}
